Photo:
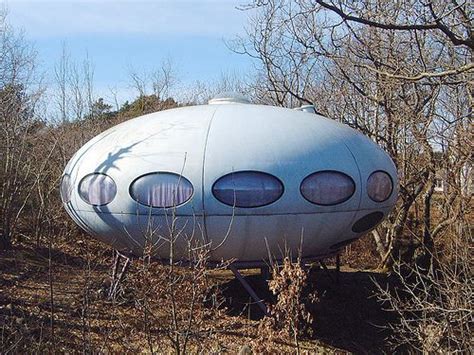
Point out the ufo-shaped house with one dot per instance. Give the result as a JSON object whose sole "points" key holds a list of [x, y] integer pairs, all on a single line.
{"points": [[247, 179]]}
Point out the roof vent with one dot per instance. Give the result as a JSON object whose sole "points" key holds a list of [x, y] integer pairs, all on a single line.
{"points": [[306, 108], [229, 98]]}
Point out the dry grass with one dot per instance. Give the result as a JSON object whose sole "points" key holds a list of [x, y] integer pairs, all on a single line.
{"points": [[84, 321]]}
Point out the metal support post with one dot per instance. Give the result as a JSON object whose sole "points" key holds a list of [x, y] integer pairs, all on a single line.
{"points": [[249, 289]]}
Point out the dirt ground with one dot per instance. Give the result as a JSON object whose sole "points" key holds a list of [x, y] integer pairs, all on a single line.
{"points": [[43, 307]]}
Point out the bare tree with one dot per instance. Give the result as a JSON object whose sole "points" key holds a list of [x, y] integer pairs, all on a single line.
{"points": [[74, 87], [392, 81], [163, 79], [401, 72], [61, 77], [171, 293], [154, 87], [18, 96], [434, 307]]}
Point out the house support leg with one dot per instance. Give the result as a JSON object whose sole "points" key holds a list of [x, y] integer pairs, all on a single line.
{"points": [[326, 270], [249, 289]]}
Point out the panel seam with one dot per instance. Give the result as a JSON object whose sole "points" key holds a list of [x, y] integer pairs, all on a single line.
{"points": [[203, 176], [360, 179]]}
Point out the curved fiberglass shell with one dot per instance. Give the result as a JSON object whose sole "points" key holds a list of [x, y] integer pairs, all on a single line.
{"points": [[245, 178]]}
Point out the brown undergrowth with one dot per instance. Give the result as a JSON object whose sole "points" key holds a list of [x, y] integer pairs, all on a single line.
{"points": [[57, 301]]}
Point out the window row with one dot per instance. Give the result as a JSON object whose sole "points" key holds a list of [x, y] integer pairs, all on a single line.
{"points": [[239, 189]]}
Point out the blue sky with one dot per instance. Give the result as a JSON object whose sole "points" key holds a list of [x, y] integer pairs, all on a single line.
{"points": [[118, 35]]}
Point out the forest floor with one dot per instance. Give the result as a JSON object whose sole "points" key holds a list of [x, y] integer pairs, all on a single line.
{"points": [[43, 306]]}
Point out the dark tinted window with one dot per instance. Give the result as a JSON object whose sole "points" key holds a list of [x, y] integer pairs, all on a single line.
{"points": [[248, 189], [327, 188]]}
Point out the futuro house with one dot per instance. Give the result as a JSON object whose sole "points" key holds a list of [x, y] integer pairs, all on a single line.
{"points": [[247, 179]]}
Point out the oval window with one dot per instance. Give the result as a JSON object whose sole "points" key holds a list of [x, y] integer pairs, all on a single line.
{"points": [[379, 186], [161, 189], [65, 188], [327, 188], [97, 189], [247, 189]]}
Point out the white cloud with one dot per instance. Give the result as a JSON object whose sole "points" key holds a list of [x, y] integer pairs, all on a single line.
{"points": [[40, 18]]}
